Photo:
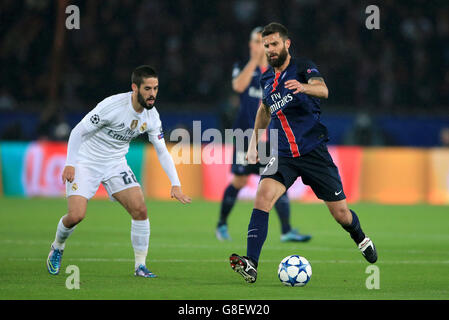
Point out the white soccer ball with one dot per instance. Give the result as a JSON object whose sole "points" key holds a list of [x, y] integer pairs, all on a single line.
{"points": [[294, 271]]}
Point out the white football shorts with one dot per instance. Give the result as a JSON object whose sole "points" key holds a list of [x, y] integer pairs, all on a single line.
{"points": [[115, 178]]}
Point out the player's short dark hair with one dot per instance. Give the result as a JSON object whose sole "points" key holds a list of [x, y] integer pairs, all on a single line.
{"points": [[142, 72], [275, 27]]}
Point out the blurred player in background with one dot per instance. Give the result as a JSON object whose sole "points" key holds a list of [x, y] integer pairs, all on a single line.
{"points": [[292, 89], [96, 154], [246, 82]]}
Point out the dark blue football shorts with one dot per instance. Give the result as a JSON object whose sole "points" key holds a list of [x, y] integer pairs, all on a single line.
{"points": [[316, 169]]}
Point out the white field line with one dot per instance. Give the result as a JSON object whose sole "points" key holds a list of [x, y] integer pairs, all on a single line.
{"points": [[267, 247], [225, 260]]}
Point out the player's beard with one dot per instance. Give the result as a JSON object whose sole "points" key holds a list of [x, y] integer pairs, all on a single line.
{"points": [[276, 63], [144, 103]]}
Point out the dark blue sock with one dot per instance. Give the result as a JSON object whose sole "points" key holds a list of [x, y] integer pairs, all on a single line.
{"points": [[229, 197], [257, 233], [354, 229], [283, 209]]}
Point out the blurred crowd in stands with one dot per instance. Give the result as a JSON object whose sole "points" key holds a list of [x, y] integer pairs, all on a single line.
{"points": [[399, 69]]}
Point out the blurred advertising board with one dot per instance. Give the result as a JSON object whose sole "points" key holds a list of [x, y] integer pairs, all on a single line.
{"points": [[34, 169], [380, 175]]}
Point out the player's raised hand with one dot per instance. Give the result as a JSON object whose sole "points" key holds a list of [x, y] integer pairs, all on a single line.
{"points": [[68, 174], [176, 193], [257, 53], [294, 85]]}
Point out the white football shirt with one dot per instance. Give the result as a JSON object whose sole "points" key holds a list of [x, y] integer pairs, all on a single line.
{"points": [[112, 124]]}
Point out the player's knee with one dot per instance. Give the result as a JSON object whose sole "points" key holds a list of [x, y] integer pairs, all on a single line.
{"points": [[76, 210], [264, 199], [139, 212], [239, 182], [73, 218]]}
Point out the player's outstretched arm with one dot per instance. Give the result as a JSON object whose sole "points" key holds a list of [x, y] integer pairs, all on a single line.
{"points": [[315, 87], [243, 79], [262, 121], [168, 165], [93, 121], [74, 144]]}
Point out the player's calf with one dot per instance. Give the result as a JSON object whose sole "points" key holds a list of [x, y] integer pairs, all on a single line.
{"points": [[365, 245], [340, 212], [349, 220]]}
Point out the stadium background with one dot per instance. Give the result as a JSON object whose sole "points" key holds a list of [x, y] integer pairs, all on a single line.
{"points": [[387, 113]]}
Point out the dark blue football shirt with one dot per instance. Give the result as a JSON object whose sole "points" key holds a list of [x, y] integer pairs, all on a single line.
{"points": [[249, 99], [295, 116]]}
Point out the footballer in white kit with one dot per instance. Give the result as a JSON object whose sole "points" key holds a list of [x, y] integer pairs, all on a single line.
{"points": [[96, 154]]}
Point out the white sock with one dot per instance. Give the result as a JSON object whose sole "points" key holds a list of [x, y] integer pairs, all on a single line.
{"points": [[62, 233], [140, 237]]}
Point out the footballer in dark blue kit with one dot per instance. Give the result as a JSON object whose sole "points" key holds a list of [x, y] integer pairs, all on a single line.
{"points": [[246, 82], [292, 89]]}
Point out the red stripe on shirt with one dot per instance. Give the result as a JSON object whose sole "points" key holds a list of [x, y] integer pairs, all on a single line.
{"points": [[275, 83], [289, 133]]}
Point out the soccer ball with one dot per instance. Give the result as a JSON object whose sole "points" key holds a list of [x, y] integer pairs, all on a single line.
{"points": [[294, 271]]}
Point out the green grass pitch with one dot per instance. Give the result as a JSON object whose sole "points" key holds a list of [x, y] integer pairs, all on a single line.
{"points": [[412, 243]]}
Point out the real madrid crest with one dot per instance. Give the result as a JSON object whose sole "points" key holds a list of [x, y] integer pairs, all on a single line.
{"points": [[134, 124], [143, 127]]}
